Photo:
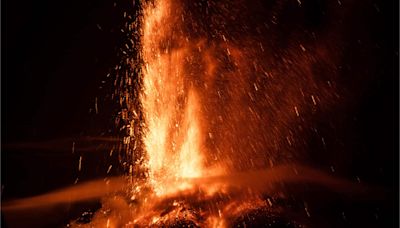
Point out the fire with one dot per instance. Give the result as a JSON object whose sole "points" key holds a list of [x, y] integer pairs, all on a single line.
{"points": [[173, 137], [216, 106]]}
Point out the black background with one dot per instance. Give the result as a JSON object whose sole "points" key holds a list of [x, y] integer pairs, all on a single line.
{"points": [[55, 55]]}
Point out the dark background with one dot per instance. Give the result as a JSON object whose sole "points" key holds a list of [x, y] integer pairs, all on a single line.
{"points": [[55, 55], [55, 59]]}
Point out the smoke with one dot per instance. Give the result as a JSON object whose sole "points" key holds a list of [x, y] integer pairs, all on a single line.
{"points": [[83, 192], [265, 181]]}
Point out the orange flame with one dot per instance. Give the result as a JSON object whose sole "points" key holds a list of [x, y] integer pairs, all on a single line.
{"points": [[173, 135], [207, 101]]}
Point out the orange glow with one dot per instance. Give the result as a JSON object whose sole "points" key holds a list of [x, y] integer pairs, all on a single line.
{"points": [[171, 106], [215, 109]]}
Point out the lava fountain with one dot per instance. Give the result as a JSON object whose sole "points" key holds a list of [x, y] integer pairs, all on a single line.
{"points": [[171, 107], [208, 119], [220, 110]]}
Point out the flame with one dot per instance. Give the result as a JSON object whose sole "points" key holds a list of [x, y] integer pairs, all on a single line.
{"points": [[215, 105], [171, 106]]}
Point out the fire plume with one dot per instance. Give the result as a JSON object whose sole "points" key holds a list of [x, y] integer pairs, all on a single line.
{"points": [[171, 107], [220, 111]]}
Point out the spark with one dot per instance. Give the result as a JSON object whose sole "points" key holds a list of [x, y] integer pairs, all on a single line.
{"points": [[80, 163]]}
